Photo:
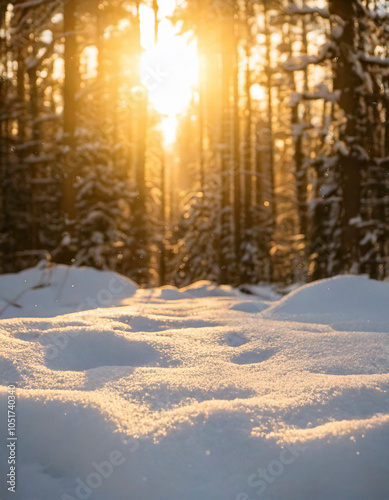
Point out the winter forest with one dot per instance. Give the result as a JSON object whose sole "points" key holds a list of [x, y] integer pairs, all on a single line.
{"points": [[194, 249], [238, 141]]}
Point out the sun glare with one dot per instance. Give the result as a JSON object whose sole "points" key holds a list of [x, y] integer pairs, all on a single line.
{"points": [[169, 68]]}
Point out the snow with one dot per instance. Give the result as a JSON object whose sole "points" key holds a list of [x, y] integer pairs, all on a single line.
{"points": [[301, 62], [199, 393], [50, 291], [321, 92], [296, 9], [208, 289], [342, 148], [344, 302]]}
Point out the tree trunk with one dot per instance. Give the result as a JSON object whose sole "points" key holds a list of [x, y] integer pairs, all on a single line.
{"points": [[350, 164], [69, 112], [226, 144], [237, 164], [269, 83]]}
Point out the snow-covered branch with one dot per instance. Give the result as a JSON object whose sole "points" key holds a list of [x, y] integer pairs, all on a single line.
{"points": [[321, 92], [302, 62], [295, 9], [32, 3], [383, 62]]}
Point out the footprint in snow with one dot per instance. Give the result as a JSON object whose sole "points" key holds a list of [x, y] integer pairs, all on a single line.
{"points": [[90, 350], [251, 357], [236, 339]]}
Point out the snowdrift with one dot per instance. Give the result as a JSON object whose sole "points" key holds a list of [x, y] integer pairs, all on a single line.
{"points": [[176, 397], [49, 291], [345, 302]]}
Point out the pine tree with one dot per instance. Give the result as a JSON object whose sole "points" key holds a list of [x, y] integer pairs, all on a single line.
{"points": [[102, 203]]}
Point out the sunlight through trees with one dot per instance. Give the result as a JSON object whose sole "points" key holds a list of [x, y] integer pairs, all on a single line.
{"points": [[238, 141]]}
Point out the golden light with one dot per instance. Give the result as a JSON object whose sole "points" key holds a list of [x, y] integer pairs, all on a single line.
{"points": [[258, 92], [169, 69], [169, 126], [88, 61]]}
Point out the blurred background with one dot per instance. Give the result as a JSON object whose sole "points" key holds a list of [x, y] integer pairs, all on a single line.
{"points": [[239, 141]]}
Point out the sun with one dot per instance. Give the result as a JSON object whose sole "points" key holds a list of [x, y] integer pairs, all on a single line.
{"points": [[169, 71], [170, 68]]}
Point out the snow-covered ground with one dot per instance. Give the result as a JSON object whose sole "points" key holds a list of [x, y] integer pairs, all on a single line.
{"points": [[199, 394]]}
